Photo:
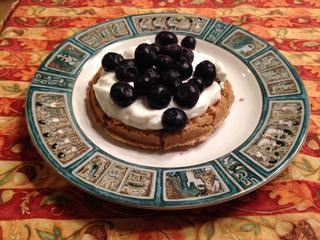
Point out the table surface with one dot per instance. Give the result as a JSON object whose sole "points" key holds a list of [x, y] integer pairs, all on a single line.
{"points": [[37, 203]]}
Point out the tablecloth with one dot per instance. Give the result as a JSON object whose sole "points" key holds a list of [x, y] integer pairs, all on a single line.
{"points": [[37, 203]]}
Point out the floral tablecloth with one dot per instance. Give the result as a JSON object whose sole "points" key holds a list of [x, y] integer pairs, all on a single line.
{"points": [[37, 203]]}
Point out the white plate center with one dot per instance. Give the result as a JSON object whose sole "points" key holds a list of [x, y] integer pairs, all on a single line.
{"points": [[239, 125]]}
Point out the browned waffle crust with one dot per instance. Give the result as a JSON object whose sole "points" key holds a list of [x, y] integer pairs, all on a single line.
{"points": [[197, 130]]}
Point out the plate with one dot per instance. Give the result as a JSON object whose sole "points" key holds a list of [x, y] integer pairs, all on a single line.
{"points": [[265, 129]]}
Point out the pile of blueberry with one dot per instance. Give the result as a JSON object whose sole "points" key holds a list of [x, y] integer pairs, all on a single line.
{"points": [[160, 71]]}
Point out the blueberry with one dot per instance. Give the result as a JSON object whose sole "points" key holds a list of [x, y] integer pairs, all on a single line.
{"points": [[185, 68], [156, 48], [172, 50], [186, 95], [130, 62], [187, 54], [189, 42], [153, 74], [127, 73], [164, 38], [144, 55], [111, 60], [169, 76], [144, 82], [207, 71], [198, 82], [122, 94], [175, 84], [163, 62], [159, 96], [174, 119], [142, 85]]}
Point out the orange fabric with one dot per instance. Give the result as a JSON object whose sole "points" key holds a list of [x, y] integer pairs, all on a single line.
{"points": [[36, 203]]}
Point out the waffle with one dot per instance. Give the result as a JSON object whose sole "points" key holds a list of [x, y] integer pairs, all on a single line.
{"points": [[196, 131]]}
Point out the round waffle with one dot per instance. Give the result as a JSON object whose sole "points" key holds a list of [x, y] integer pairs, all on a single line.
{"points": [[196, 131]]}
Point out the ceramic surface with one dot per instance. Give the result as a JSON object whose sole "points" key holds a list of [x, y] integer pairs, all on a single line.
{"points": [[265, 129]]}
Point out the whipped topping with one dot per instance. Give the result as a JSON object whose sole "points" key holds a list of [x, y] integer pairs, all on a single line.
{"points": [[139, 114]]}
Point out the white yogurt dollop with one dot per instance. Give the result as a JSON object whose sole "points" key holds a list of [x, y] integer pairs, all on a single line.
{"points": [[139, 114]]}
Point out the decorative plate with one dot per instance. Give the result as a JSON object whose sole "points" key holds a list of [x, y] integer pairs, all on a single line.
{"points": [[265, 129]]}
